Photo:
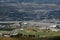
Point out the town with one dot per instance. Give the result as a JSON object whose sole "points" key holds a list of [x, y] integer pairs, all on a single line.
{"points": [[29, 19], [13, 28]]}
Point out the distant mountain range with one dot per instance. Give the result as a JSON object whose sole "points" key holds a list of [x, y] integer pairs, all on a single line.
{"points": [[33, 1]]}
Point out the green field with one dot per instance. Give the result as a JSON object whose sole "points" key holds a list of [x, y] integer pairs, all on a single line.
{"points": [[39, 33]]}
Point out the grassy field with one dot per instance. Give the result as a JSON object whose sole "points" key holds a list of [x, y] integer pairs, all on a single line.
{"points": [[39, 33], [30, 38]]}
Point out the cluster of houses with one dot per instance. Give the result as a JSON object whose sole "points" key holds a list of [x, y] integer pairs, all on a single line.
{"points": [[41, 25], [27, 24]]}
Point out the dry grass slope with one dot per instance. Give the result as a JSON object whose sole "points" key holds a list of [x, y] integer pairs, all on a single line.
{"points": [[29, 38]]}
